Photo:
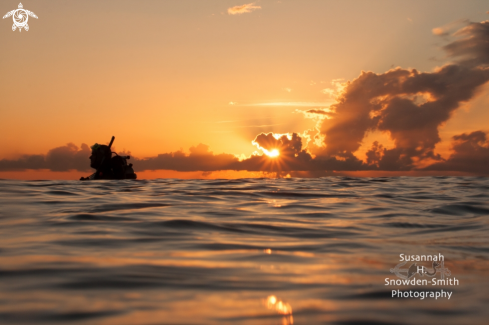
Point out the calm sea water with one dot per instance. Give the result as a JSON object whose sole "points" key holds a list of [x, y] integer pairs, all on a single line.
{"points": [[248, 251]]}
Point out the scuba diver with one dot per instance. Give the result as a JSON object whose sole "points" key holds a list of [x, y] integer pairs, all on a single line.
{"points": [[108, 167]]}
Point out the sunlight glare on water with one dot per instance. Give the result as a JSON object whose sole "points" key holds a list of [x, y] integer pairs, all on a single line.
{"points": [[242, 251]]}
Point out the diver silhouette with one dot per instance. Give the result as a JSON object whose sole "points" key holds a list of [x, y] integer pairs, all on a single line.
{"points": [[108, 167]]}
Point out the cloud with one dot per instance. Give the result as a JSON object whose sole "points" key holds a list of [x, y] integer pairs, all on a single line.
{"points": [[294, 104], [63, 158], [447, 28], [292, 158], [317, 113], [288, 145], [439, 31], [472, 49], [375, 154], [68, 157], [470, 154], [246, 8], [407, 104], [338, 87], [199, 159]]}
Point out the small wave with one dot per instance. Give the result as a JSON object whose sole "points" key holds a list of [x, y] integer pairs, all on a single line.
{"points": [[126, 206], [35, 317], [61, 193], [461, 209], [211, 251]]}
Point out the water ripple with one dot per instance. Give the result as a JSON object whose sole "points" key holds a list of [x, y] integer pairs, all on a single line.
{"points": [[218, 251]]}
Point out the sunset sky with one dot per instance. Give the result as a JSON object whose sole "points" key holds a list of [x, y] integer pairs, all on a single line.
{"points": [[176, 80]]}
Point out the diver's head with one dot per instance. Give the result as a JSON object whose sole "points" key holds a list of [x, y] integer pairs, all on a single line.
{"points": [[100, 155]]}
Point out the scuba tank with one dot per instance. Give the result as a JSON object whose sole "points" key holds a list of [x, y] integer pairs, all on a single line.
{"points": [[108, 167]]}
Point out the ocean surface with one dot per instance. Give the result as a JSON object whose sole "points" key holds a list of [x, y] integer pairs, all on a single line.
{"points": [[245, 251]]}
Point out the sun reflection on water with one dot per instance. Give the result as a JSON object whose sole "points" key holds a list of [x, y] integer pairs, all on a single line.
{"points": [[282, 308]]}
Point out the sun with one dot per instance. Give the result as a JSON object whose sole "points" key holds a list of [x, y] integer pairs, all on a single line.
{"points": [[274, 153]]}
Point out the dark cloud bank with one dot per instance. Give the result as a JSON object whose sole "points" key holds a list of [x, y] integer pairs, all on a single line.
{"points": [[408, 104]]}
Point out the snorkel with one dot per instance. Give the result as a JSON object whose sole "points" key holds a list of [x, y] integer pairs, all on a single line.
{"points": [[97, 162]]}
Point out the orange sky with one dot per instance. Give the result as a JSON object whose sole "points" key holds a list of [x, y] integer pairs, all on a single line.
{"points": [[167, 75]]}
